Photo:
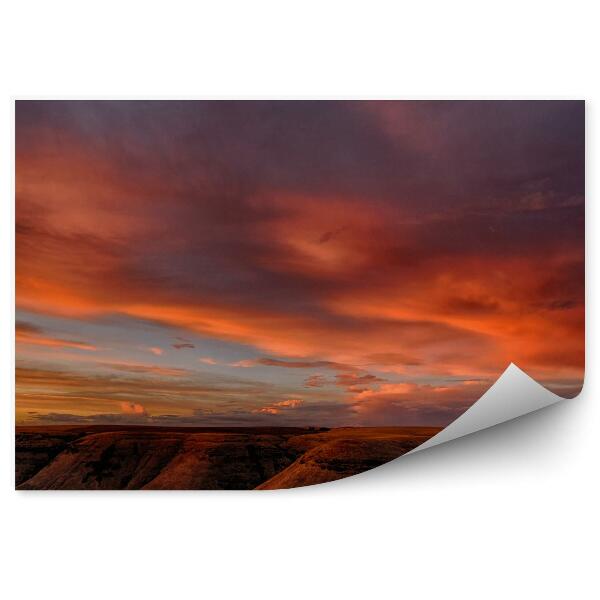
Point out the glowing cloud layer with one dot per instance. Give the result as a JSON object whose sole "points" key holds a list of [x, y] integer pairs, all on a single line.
{"points": [[375, 263]]}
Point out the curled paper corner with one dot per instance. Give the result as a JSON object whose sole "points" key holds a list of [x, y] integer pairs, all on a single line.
{"points": [[513, 394]]}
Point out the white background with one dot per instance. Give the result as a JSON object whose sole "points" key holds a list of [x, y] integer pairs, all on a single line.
{"points": [[508, 513]]}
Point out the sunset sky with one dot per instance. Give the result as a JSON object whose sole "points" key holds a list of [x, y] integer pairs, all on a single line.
{"points": [[294, 263]]}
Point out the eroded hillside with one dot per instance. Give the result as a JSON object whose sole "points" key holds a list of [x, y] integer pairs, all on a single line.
{"points": [[108, 458]]}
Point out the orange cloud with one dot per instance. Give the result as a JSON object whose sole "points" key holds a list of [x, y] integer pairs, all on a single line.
{"points": [[132, 408], [29, 334], [208, 360], [315, 381], [86, 394], [243, 364], [303, 364], [409, 403], [467, 316], [291, 403], [321, 278], [269, 410], [277, 407]]}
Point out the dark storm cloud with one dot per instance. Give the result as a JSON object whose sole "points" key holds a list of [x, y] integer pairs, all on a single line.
{"points": [[320, 146], [200, 166]]}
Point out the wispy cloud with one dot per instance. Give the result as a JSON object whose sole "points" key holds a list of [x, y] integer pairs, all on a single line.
{"points": [[354, 382], [303, 364], [145, 369], [207, 360], [351, 245], [277, 407], [27, 333], [315, 381]]}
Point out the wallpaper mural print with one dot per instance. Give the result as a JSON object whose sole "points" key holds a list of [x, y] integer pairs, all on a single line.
{"points": [[272, 294]]}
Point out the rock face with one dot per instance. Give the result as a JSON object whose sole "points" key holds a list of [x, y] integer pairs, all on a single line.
{"points": [[37, 448], [344, 452], [237, 458]]}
